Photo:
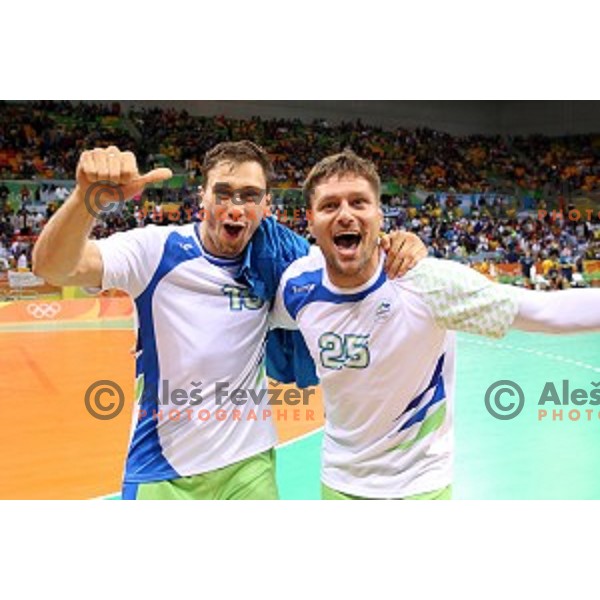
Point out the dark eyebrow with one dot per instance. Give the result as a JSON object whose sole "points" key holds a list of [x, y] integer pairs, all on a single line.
{"points": [[251, 188], [247, 188], [351, 196], [221, 185], [328, 198]]}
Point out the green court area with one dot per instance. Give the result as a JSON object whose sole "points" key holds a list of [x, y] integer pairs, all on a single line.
{"points": [[557, 457], [520, 458]]}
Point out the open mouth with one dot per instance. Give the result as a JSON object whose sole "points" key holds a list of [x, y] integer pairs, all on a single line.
{"points": [[233, 230], [347, 242]]}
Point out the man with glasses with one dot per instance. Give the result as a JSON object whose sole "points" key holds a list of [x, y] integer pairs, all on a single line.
{"points": [[201, 324]]}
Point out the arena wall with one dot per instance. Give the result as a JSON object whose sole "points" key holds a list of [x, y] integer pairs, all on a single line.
{"points": [[460, 117]]}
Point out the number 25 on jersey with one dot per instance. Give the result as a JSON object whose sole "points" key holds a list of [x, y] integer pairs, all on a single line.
{"points": [[349, 350]]}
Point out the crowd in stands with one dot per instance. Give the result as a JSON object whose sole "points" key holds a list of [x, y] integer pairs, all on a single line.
{"points": [[43, 140], [489, 235], [563, 164]]}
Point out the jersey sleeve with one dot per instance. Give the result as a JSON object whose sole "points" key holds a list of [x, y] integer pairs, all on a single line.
{"points": [[130, 258], [462, 299], [279, 316], [564, 311]]}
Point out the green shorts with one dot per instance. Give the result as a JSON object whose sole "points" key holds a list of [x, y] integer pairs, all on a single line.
{"points": [[328, 493], [249, 479]]}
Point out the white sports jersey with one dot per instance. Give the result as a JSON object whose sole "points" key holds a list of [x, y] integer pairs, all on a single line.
{"points": [[201, 336], [386, 362]]}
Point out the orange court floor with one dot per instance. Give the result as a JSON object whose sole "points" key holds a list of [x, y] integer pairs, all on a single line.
{"points": [[52, 448]]}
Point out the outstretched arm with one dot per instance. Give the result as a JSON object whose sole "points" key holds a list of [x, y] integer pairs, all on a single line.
{"points": [[566, 311], [461, 299]]}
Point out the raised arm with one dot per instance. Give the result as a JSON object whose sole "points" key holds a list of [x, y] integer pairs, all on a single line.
{"points": [[63, 254]]}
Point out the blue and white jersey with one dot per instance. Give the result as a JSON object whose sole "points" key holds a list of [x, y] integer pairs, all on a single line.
{"points": [[201, 336], [386, 359]]}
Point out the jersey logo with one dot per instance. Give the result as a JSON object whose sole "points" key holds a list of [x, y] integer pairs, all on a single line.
{"points": [[350, 351], [384, 311], [240, 298], [303, 289]]}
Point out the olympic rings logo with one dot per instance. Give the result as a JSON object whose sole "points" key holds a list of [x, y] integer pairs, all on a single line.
{"points": [[43, 311]]}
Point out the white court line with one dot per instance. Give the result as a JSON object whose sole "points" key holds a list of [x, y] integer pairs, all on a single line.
{"points": [[542, 354], [283, 445]]}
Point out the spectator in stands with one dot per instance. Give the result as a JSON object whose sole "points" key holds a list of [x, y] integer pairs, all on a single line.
{"points": [[44, 139]]}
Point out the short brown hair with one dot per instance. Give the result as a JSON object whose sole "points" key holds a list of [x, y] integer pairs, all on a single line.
{"points": [[344, 163], [237, 153]]}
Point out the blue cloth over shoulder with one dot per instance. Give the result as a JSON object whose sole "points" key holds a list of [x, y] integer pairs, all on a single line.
{"points": [[271, 250]]}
